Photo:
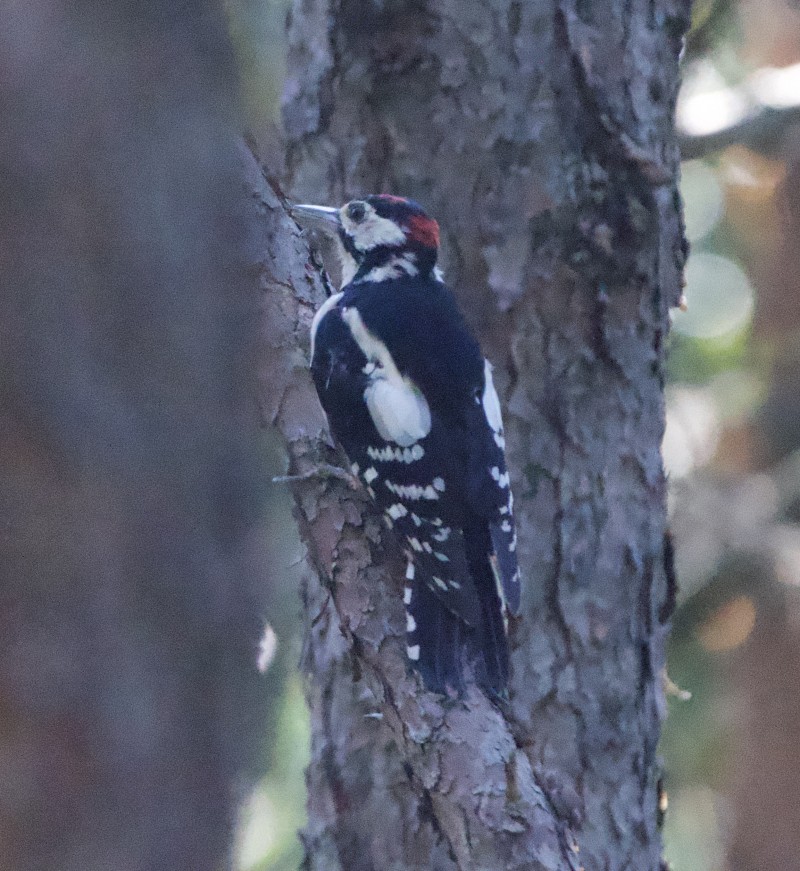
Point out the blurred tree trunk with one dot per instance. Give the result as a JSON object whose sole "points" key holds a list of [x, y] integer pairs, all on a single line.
{"points": [[132, 599], [541, 136], [765, 834]]}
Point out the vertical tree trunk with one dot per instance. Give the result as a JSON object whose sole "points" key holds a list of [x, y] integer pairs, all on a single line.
{"points": [[541, 136], [131, 595]]}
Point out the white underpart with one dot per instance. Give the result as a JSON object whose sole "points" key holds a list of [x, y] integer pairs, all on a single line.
{"points": [[396, 405], [329, 303]]}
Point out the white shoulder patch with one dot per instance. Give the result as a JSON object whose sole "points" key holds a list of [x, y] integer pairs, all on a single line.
{"points": [[396, 405], [329, 304], [491, 404]]}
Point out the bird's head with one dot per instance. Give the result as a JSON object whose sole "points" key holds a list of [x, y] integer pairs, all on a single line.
{"points": [[378, 237]]}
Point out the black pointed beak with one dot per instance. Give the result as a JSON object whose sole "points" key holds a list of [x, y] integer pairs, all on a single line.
{"points": [[320, 218]]}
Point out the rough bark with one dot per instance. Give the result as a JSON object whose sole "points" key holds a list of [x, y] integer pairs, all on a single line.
{"points": [[132, 595], [541, 136]]}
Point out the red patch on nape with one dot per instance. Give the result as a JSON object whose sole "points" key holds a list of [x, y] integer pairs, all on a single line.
{"points": [[423, 230], [390, 198]]}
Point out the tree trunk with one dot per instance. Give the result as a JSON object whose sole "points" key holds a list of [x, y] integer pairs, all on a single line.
{"points": [[541, 136], [132, 595]]}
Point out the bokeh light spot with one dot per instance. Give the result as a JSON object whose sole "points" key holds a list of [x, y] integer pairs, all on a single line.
{"points": [[729, 626], [719, 295]]}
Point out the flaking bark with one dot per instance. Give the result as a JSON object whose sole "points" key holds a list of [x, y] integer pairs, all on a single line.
{"points": [[541, 136], [388, 757]]}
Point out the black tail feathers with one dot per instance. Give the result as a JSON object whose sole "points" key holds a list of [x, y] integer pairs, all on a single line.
{"points": [[449, 653]]}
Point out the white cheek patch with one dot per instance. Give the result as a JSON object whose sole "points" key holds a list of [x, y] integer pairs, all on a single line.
{"points": [[374, 231], [396, 267], [396, 405], [329, 304]]}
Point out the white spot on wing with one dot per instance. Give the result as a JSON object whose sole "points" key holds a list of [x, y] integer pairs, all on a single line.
{"points": [[410, 571], [413, 652], [412, 491], [387, 453], [438, 484], [491, 404], [502, 479], [411, 623], [407, 596], [370, 474]]}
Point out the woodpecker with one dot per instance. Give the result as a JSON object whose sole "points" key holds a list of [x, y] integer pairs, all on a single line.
{"points": [[410, 397]]}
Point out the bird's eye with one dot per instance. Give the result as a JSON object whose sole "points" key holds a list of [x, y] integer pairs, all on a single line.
{"points": [[357, 211]]}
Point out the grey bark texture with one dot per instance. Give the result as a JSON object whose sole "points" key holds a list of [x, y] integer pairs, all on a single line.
{"points": [[132, 591], [541, 136]]}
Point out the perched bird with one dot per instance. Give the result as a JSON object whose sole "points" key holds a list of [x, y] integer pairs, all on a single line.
{"points": [[410, 397]]}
